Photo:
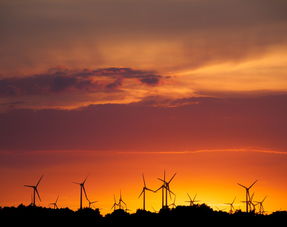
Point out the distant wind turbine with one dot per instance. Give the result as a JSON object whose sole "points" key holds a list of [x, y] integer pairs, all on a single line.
{"points": [[82, 188], [247, 194], [115, 204], [144, 189], [231, 206], [35, 191], [121, 201], [192, 201], [91, 203], [55, 203], [165, 186], [261, 208], [173, 203]]}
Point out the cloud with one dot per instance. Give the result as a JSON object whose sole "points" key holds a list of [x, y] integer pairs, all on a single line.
{"points": [[229, 150], [173, 34], [150, 80], [65, 80]]}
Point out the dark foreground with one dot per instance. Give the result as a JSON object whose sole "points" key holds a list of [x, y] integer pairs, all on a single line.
{"points": [[198, 215]]}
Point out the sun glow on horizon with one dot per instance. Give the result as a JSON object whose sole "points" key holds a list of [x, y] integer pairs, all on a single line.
{"points": [[111, 172]]}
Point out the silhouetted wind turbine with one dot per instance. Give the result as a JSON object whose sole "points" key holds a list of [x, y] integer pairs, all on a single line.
{"points": [[55, 203], [162, 187], [231, 206], [115, 203], [247, 196], [261, 208], [165, 186], [143, 192], [82, 188], [91, 203], [252, 206], [191, 201], [121, 201], [35, 191], [173, 203]]}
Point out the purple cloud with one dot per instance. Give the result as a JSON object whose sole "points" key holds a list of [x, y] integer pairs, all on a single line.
{"points": [[62, 80]]}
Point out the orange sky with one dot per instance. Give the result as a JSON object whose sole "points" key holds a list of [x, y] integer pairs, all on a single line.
{"points": [[212, 174], [115, 88]]}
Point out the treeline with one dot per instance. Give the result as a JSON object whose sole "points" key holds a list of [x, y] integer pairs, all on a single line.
{"points": [[183, 215]]}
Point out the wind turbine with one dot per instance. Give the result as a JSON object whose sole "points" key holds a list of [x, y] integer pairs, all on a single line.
{"points": [[173, 203], [247, 195], [115, 203], [162, 187], [91, 202], [261, 208], [55, 203], [121, 201], [35, 191], [165, 186], [252, 206], [82, 188], [231, 205], [191, 201], [143, 192]]}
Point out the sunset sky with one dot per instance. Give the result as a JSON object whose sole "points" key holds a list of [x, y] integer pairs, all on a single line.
{"points": [[111, 89]]}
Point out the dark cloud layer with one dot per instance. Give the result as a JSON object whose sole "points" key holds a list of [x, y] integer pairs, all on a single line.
{"points": [[36, 33], [64, 80], [199, 123]]}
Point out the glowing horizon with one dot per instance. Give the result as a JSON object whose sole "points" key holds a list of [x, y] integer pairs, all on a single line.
{"points": [[102, 186]]}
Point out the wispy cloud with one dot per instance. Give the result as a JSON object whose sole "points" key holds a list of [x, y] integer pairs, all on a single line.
{"points": [[238, 150]]}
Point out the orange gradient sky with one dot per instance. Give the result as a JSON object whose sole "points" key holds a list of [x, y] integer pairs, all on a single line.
{"points": [[212, 174], [116, 88]]}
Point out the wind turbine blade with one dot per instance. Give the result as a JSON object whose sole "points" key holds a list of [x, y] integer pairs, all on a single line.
{"points": [[85, 193], [37, 193], [39, 181], [170, 192], [264, 199], [172, 178], [76, 183], [149, 189], [85, 180], [159, 188], [123, 202], [252, 184], [30, 186], [233, 200], [161, 180], [194, 197], [57, 199], [144, 181], [189, 196], [141, 193], [242, 185]]}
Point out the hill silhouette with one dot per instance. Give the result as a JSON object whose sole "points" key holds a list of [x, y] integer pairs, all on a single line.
{"points": [[183, 215]]}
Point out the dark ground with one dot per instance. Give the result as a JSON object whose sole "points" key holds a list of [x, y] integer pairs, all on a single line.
{"points": [[200, 215]]}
